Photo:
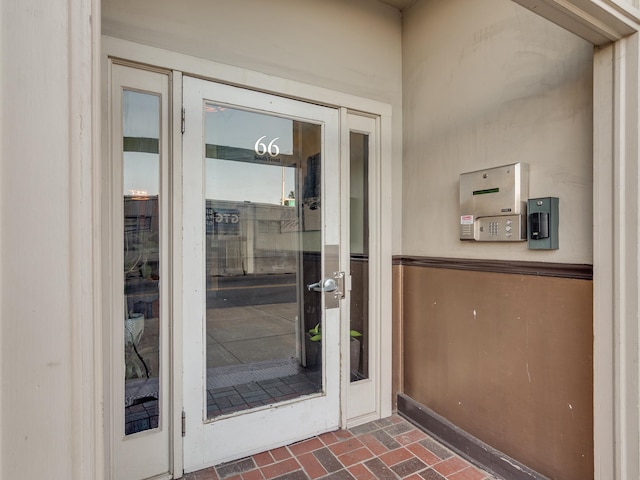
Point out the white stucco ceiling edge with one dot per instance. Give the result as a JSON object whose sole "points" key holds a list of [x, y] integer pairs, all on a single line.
{"points": [[597, 21]]}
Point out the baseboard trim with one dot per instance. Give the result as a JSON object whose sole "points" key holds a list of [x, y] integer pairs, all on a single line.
{"points": [[464, 444]]}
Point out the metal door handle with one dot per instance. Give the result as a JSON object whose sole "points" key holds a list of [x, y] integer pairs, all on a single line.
{"points": [[329, 285]]}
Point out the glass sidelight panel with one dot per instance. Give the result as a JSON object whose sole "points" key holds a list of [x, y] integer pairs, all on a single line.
{"points": [[359, 255], [141, 242], [263, 239]]}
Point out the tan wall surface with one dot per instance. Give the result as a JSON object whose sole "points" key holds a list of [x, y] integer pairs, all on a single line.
{"points": [[508, 358], [350, 46], [487, 84], [505, 357]]}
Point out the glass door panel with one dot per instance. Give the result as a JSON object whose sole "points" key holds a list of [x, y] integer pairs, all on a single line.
{"points": [[141, 182], [363, 397], [261, 343], [359, 255], [262, 211]]}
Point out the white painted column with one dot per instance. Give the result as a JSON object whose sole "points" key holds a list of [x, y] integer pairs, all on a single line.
{"points": [[626, 256], [50, 370], [603, 329], [617, 260]]}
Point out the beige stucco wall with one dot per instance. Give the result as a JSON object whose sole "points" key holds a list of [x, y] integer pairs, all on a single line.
{"points": [[486, 84], [349, 46], [49, 421], [35, 335]]}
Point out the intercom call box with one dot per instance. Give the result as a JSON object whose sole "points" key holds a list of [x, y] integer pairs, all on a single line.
{"points": [[493, 204]]}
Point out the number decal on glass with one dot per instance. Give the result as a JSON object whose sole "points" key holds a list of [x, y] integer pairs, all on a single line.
{"points": [[262, 149]]}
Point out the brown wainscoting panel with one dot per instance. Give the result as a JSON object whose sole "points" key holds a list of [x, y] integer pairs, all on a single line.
{"points": [[505, 357]]}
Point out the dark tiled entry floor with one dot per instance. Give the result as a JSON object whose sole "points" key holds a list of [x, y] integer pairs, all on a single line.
{"points": [[224, 400], [387, 449]]}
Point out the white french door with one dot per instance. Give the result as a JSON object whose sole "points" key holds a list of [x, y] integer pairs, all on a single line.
{"points": [[246, 287], [261, 281]]}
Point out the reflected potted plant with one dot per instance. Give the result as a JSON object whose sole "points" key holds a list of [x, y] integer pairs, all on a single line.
{"points": [[133, 330], [315, 335]]}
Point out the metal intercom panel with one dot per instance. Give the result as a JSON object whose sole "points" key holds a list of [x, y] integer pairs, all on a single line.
{"points": [[493, 204]]}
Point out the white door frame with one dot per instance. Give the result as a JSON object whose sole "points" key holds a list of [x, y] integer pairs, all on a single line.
{"points": [[362, 400], [210, 442], [152, 444], [180, 64]]}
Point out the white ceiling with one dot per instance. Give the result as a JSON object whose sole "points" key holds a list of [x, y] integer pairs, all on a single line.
{"points": [[399, 4]]}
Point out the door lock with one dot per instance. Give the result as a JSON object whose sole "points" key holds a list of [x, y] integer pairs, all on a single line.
{"points": [[333, 285], [329, 285]]}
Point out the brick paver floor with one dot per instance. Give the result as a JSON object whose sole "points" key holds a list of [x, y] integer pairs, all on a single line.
{"points": [[387, 449]]}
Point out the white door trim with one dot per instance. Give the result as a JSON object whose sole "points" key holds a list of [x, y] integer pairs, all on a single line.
{"points": [[176, 261], [369, 399], [219, 72], [179, 63], [126, 450]]}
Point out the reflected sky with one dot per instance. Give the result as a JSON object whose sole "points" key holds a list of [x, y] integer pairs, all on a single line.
{"points": [[247, 182], [141, 119], [239, 129], [141, 173], [244, 181], [141, 114], [228, 127]]}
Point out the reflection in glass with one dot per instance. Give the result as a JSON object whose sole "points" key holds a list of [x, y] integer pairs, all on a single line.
{"points": [[141, 243], [359, 255], [262, 217]]}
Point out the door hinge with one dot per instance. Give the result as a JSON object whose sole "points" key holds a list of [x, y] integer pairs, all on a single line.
{"points": [[182, 125], [184, 423]]}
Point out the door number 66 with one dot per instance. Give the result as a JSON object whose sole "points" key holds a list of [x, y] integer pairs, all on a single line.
{"points": [[271, 149]]}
